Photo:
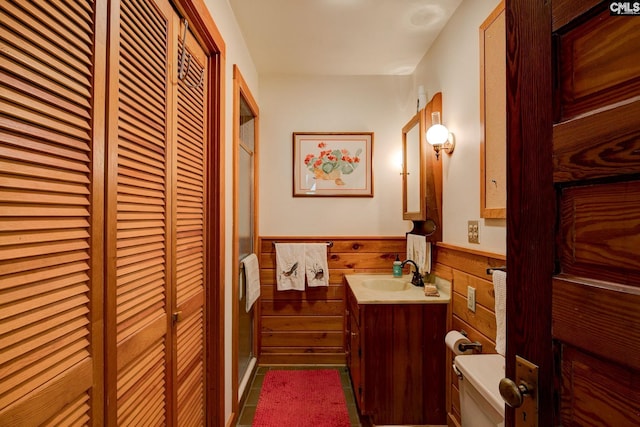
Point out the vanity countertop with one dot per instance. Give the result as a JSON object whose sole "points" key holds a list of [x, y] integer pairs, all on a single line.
{"points": [[411, 295]]}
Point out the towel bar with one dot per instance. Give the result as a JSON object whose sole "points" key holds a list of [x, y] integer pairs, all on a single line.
{"points": [[329, 243], [492, 269]]}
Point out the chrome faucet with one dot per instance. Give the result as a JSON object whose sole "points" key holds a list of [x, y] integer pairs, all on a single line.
{"points": [[417, 279]]}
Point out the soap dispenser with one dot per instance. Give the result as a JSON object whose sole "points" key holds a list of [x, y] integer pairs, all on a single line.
{"points": [[397, 267]]}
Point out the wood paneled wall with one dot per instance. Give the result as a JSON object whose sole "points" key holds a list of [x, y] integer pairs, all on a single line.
{"points": [[308, 327], [465, 267]]}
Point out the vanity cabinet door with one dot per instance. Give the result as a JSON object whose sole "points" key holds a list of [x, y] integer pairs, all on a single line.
{"points": [[354, 348], [355, 361], [396, 359]]}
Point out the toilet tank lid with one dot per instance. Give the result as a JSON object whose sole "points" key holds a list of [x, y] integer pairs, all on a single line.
{"points": [[484, 372]]}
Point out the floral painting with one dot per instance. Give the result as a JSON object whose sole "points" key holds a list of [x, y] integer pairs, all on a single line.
{"points": [[332, 164]]}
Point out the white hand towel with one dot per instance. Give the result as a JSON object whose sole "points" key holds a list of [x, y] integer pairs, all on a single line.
{"points": [[316, 264], [251, 279], [290, 266], [419, 250], [500, 291]]}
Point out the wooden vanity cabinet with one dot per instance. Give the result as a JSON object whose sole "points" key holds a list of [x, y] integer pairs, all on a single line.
{"points": [[396, 359]]}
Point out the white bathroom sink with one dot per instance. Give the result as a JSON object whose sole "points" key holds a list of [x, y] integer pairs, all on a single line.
{"points": [[386, 284], [385, 289]]}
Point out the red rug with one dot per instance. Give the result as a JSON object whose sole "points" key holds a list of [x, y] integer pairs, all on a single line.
{"points": [[302, 398]]}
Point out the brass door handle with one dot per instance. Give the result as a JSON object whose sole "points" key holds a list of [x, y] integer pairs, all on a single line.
{"points": [[176, 317], [522, 393], [512, 393]]}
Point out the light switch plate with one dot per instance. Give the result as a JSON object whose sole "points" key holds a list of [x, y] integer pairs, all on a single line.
{"points": [[471, 298]]}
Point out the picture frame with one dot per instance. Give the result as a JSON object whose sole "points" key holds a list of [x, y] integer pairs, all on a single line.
{"points": [[332, 164]]}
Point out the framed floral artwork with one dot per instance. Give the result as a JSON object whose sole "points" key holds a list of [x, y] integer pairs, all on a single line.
{"points": [[332, 164]]}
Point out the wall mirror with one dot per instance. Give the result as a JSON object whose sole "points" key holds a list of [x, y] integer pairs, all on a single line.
{"points": [[414, 205], [493, 116]]}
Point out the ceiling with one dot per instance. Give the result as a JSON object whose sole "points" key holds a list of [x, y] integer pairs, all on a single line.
{"points": [[340, 37]]}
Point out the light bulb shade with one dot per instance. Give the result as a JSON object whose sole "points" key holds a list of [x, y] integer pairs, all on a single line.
{"points": [[437, 134]]}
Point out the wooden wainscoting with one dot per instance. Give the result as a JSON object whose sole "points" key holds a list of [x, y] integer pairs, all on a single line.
{"points": [[308, 327], [467, 267]]}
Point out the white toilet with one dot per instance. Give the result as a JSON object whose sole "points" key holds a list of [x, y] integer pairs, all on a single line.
{"points": [[480, 402]]}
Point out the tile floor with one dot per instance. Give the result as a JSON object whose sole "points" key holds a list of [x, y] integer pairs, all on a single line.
{"points": [[249, 409]]}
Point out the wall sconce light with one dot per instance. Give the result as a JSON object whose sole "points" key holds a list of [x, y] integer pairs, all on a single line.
{"points": [[439, 136]]}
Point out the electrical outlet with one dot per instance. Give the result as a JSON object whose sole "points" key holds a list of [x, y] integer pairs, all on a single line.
{"points": [[471, 298], [473, 231]]}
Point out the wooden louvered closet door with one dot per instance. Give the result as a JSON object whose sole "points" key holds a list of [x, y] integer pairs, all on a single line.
{"points": [[51, 196], [189, 226], [138, 213], [102, 195], [155, 222]]}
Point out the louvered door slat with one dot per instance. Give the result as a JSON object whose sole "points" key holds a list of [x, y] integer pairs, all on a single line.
{"points": [[190, 368], [32, 152], [145, 59], [46, 196], [135, 81], [24, 382], [18, 111], [141, 388], [23, 183], [18, 341], [36, 139], [61, 11], [192, 123], [42, 61], [41, 66], [50, 336], [40, 80], [74, 415], [67, 23], [190, 160], [138, 241], [48, 106], [42, 313], [41, 34], [57, 100], [25, 169]]}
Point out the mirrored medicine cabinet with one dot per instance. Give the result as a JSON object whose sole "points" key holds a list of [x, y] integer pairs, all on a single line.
{"points": [[422, 174], [414, 206]]}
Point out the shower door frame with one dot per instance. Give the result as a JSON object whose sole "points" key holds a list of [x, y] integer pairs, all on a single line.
{"points": [[241, 92]]}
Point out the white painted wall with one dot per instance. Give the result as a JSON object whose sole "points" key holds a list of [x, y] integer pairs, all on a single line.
{"points": [[382, 104], [451, 66], [290, 104]]}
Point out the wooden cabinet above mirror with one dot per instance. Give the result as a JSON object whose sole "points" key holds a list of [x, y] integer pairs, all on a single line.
{"points": [[422, 175]]}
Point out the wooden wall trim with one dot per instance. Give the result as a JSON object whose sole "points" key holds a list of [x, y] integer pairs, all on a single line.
{"points": [[492, 255], [308, 327]]}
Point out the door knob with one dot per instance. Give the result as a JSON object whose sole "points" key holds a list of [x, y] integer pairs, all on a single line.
{"points": [[512, 393], [522, 394]]}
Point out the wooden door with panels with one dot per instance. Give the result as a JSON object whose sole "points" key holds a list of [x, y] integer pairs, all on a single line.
{"points": [[573, 250], [596, 150], [52, 91], [155, 223]]}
